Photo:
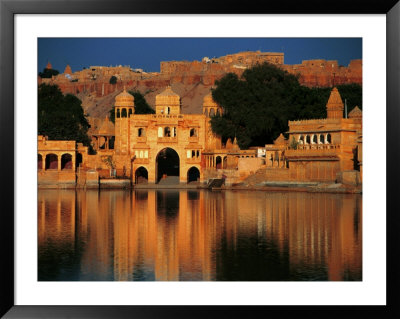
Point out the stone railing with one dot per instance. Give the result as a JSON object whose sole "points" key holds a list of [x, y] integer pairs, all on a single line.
{"points": [[316, 147], [172, 116], [313, 150]]}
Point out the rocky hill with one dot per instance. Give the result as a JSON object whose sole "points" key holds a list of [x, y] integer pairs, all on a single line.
{"points": [[192, 80]]}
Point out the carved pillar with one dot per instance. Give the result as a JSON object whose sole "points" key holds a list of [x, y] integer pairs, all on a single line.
{"points": [[43, 162], [59, 162]]}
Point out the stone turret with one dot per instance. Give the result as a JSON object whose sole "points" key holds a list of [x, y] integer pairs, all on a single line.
{"points": [[124, 108], [68, 70], [124, 104], [168, 102], [335, 106], [210, 108]]}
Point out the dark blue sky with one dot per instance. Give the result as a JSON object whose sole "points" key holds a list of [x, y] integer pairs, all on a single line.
{"points": [[147, 53]]}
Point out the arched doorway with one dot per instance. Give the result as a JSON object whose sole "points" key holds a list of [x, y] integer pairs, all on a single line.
{"points": [[167, 166], [193, 175], [218, 162], [51, 161], [66, 161], [141, 176]]}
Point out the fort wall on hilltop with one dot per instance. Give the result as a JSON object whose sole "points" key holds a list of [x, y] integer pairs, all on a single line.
{"points": [[96, 79]]}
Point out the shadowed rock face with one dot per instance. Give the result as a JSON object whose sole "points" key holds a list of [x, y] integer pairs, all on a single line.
{"points": [[192, 80]]}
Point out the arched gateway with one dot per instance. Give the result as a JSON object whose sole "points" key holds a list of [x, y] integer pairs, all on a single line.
{"points": [[167, 166]]}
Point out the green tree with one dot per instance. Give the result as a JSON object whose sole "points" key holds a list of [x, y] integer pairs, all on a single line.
{"points": [[258, 105], [113, 80], [48, 73], [61, 117], [352, 93], [141, 106]]}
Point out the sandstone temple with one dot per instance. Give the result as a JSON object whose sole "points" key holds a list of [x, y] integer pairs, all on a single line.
{"points": [[173, 148]]}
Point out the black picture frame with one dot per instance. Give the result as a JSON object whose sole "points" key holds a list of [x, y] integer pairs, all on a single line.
{"points": [[7, 11]]}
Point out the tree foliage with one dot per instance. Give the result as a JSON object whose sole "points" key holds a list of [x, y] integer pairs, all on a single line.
{"points": [[258, 105], [61, 117], [113, 80], [48, 73], [141, 106]]}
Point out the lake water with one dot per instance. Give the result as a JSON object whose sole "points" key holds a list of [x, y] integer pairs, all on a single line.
{"points": [[125, 235]]}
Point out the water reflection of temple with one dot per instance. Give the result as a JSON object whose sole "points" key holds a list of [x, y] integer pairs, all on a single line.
{"points": [[171, 235]]}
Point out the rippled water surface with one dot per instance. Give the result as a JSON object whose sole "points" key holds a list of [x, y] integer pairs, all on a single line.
{"points": [[198, 235]]}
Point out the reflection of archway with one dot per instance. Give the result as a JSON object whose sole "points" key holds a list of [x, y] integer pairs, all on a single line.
{"points": [[218, 162], [167, 164], [79, 159], [141, 176], [193, 175], [51, 161], [40, 161], [66, 161], [225, 163]]}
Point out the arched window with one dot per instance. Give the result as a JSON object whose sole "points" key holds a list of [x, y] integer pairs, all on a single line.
{"points": [[193, 132], [314, 139], [66, 161], [218, 113], [308, 139], [197, 153], [212, 112], [193, 153], [130, 113], [174, 131], [225, 163], [141, 132], [301, 139], [167, 132], [328, 139], [167, 110], [51, 161], [123, 113], [321, 139], [118, 113]]}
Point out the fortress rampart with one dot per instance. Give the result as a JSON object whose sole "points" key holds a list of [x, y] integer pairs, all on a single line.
{"points": [[96, 79]]}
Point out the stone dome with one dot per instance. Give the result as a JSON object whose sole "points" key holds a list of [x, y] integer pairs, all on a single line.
{"points": [[168, 97], [124, 99], [355, 113], [208, 101], [280, 140], [107, 128]]}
